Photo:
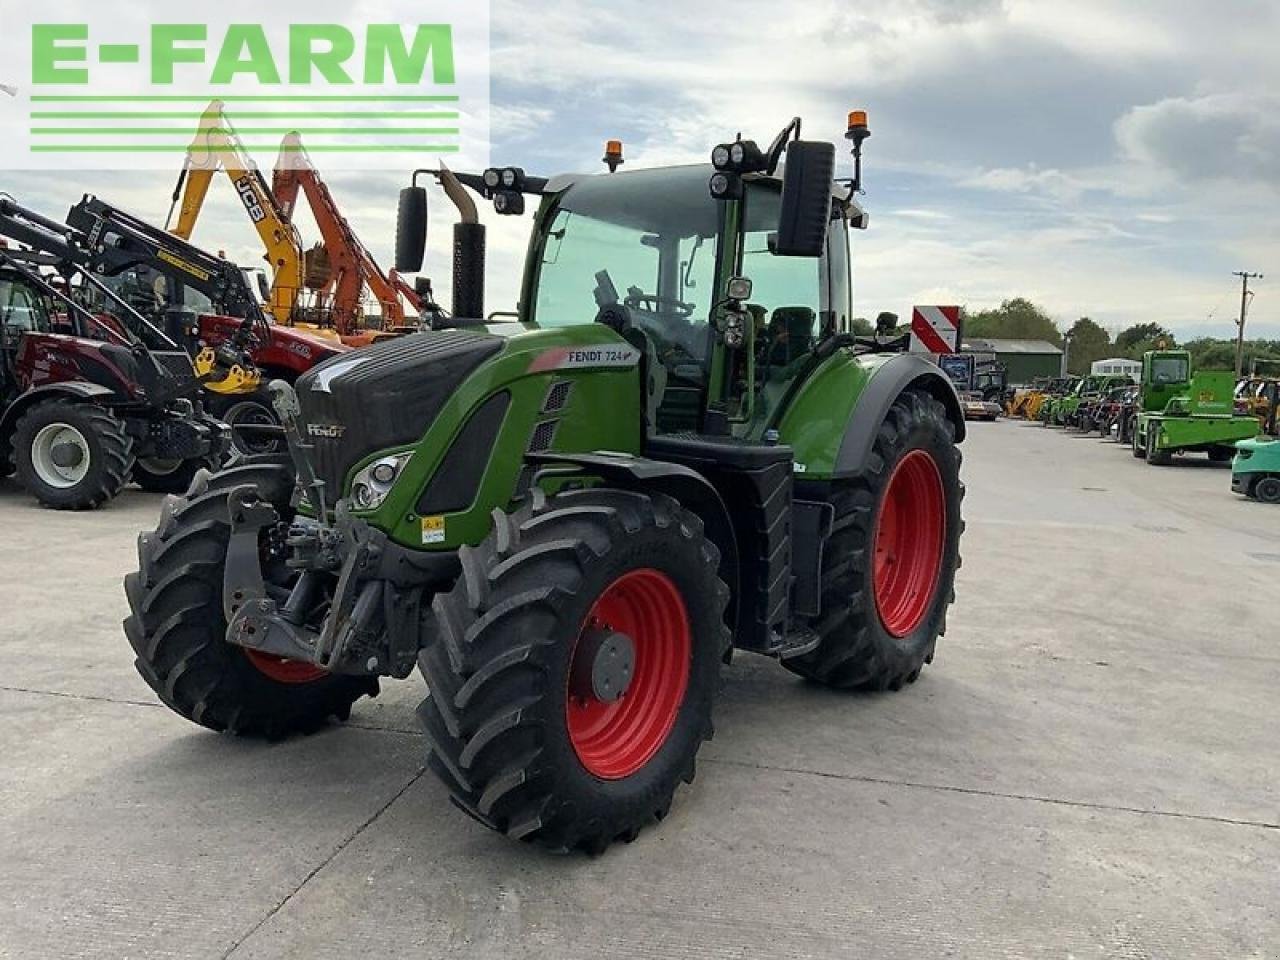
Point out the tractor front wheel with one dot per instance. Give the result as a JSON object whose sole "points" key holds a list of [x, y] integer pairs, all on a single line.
{"points": [[178, 630], [889, 568], [72, 455], [169, 476], [573, 667]]}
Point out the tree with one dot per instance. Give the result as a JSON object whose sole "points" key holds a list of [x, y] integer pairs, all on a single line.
{"points": [[1089, 342], [861, 327], [1015, 319], [1139, 333]]}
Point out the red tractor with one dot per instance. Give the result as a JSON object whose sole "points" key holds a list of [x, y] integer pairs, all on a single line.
{"points": [[203, 305], [83, 412]]}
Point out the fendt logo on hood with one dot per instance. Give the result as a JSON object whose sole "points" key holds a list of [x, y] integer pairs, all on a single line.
{"points": [[328, 431]]}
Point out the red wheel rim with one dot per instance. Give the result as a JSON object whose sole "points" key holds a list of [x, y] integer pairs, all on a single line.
{"points": [[909, 539], [614, 740], [284, 671]]}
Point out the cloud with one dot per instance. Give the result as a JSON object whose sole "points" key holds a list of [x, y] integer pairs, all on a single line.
{"points": [[1225, 137]]}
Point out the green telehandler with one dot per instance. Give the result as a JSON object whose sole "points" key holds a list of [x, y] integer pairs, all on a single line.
{"points": [[1181, 413], [567, 521]]}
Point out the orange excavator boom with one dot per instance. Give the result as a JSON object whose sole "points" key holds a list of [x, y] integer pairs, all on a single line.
{"points": [[352, 266]]}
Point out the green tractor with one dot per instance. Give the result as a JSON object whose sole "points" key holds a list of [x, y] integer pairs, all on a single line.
{"points": [[568, 520], [1059, 389], [1181, 413], [1077, 410]]}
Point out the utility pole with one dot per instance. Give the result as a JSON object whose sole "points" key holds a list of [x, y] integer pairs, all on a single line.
{"points": [[1245, 277]]}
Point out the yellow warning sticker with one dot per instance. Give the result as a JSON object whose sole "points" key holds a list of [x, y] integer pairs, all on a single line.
{"points": [[433, 529]]}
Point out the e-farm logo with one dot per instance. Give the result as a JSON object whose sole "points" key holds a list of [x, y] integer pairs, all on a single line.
{"points": [[106, 93], [323, 50]]}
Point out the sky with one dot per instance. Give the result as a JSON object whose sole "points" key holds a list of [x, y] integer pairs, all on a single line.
{"points": [[1104, 159]]}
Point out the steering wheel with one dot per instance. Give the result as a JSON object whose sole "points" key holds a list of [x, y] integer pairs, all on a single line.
{"points": [[639, 300]]}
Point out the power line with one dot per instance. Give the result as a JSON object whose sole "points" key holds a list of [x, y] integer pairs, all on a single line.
{"points": [[1245, 277]]}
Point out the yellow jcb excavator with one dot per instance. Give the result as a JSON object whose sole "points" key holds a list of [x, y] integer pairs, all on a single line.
{"points": [[216, 146]]}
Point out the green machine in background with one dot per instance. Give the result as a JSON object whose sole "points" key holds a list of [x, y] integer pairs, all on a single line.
{"points": [[1182, 413], [568, 518]]}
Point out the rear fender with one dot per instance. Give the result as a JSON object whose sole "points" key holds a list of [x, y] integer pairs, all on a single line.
{"points": [[78, 390], [901, 373]]}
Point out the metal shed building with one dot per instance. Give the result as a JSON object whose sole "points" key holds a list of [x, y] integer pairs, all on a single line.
{"points": [[1024, 359]]}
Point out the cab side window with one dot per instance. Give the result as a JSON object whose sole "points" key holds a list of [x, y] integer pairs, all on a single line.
{"points": [[786, 297], [20, 312]]}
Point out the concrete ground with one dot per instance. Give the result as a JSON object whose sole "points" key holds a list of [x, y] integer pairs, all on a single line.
{"points": [[1089, 769]]}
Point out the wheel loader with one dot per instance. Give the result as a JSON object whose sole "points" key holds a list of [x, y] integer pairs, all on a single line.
{"points": [[569, 523]]}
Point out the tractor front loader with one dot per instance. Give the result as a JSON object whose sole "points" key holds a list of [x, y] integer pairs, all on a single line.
{"points": [[568, 523], [85, 406]]}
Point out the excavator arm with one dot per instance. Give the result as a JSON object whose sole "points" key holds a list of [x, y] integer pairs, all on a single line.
{"points": [[216, 146], [352, 265]]}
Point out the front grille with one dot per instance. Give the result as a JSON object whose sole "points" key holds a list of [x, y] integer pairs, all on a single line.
{"points": [[385, 395]]}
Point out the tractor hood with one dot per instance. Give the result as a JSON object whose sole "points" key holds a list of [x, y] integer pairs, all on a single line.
{"points": [[385, 395]]}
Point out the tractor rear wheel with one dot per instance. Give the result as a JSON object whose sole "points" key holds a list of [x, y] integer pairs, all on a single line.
{"points": [[178, 630], [888, 571], [72, 455], [1222, 453], [573, 667]]}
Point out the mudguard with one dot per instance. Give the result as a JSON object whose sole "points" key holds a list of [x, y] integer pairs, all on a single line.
{"points": [[894, 376], [692, 489], [72, 389]]}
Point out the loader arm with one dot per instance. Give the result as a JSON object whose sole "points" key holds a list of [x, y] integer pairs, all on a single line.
{"points": [[216, 146], [353, 265]]}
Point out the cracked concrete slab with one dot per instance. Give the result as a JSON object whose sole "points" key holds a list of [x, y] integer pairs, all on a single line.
{"points": [[1087, 770]]}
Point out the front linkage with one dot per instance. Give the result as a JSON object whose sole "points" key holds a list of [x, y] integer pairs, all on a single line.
{"points": [[372, 587]]}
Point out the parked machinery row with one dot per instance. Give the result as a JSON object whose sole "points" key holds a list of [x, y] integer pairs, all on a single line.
{"points": [[1172, 410]]}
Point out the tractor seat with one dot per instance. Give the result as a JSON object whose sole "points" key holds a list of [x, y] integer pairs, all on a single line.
{"points": [[790, 335]]}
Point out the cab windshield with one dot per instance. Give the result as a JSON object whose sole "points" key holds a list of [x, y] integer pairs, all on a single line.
{"points": [[643, 241], [1169, 370]]}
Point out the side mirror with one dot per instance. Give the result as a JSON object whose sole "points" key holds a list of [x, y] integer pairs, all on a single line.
{"points": [[411, 229], [806, 199]]}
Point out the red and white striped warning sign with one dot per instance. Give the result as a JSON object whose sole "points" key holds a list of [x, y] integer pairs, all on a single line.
{"points": [[935, 330]]}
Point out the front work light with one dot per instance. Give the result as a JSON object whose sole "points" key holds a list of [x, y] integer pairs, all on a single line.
{"points": [[725, 186]]}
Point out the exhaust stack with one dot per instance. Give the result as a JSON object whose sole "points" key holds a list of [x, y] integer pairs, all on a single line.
{"points": [[468, 250]]}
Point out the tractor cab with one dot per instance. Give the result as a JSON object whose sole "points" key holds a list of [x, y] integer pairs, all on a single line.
{"points": [[724, 321], [1165, 375]]}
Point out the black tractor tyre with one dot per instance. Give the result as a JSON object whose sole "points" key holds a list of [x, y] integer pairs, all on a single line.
{"points": [[1266, 490], [163, 477], [251, 409], [1221, 454], [504, 716], [863, 646], [1155, 456], [1136, 446], [102, 439], [177, 627]]}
